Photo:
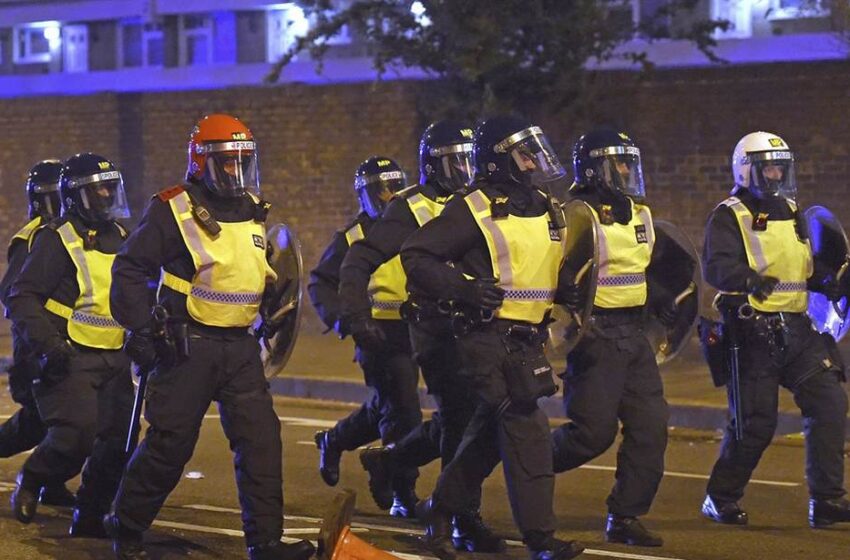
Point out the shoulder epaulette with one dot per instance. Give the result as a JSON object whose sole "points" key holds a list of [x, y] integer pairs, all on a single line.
{"points": [[167, 194]]}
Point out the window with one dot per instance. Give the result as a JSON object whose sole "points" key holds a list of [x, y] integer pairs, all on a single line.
{"points": [[75, 48], [285, 25], [141, 44], [793, 9], [196, 33], [623, 15], [739, 14], [36, 42]]}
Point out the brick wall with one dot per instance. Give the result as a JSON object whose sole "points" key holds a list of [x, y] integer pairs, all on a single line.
{"points": [[312, 137]]}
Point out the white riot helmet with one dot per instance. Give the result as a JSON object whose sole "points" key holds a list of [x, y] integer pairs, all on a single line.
{"points": [[763, 163]]}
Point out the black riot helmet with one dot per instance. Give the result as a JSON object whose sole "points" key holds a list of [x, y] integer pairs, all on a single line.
{"points": [[43, 189], [510, 150], [375, 181], [608, 160], [445, 156], [91, 187]]}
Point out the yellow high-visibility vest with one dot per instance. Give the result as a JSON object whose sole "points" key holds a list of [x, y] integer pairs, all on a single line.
{"points": [[231, 270], [526, 256], [777, 251], [90, 321], [387, 285], [624, 254], [26, 233]]}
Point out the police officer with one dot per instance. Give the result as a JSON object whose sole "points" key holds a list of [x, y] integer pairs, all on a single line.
{"points": [[24, 430], [59, 305], [758, 256], [505, 239], [386, 358], [207, 239], [612, 375]]}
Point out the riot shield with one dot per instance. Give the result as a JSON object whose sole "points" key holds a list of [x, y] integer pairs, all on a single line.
{"points": [[830, 248], [582, 261], [674, 274], [277, 328]]}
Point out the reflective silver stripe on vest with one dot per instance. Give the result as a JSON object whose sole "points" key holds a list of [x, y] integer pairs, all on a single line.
{"points": [[387, 305], [790, 287], [503, 257], [96, 320], [736, 205], [530, 294], [621, 280], [422, 213], [66, 231], [242, 298], [193, 237]]}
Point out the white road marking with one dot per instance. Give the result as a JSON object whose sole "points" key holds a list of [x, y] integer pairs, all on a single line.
{"points": [[356, 525], [676, 474]]}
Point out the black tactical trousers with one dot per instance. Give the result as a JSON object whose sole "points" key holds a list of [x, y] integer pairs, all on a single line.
{"points": [[224, 366], [24, 429], [516, 435], [798, 360], [393, 409], [612, 376], [87, 414]]}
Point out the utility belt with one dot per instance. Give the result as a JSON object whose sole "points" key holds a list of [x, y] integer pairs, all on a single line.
{"points": [[462, 319], [776, 328]]}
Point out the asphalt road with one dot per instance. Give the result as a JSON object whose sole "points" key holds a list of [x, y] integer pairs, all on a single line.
{"points": [[201, 518]]}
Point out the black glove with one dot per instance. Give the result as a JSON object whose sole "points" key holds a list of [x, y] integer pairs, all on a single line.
{"points": [[54, 363], [667, 314], [140, 346], [368, 334], [760, 287], [482, 293], [570, 295], [832, 289]]}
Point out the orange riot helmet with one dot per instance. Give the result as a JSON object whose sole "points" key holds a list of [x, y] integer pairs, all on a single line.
{"points": [[223, 156]]}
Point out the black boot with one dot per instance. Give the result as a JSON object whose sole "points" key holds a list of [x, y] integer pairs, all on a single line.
{"points": [[556, 549], [329, 456], [823, 513], [377, 461], [25, 499], [473, 535], [629, 530], [57, 495], [404, 503], [438, 531], [87, 525], [276, 550], [728, 513], [127, 544]]}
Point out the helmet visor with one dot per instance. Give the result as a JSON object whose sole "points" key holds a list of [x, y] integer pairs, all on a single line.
{"points": [[42, 188], [773, 174], [455, 170], [374, 191], [619, 169], [534, 156], [102, 196], [47, 205], [232, 168]]}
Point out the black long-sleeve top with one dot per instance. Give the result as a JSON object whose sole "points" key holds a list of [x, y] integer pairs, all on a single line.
{"points": [[49, 273], [157, 243], [323, 287], [16, 256], [724, 256], [454, 237], [384, 242]]}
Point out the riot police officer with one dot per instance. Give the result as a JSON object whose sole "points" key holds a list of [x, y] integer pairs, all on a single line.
{"points": [[59, 304], [24, 429], [506, 242], [207, 240], [612, 375], [758, 256], [388, 367]]}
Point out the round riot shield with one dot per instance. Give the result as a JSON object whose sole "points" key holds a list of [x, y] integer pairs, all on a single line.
{"points": [[581, 261], [674, 275], [282, 314], [830, 249]]}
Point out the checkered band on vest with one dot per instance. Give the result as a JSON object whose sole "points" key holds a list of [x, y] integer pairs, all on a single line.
{"points": [[790, 287], [622, 280], [96, 320], [227, 297], [530, 295], [387, 305]]}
